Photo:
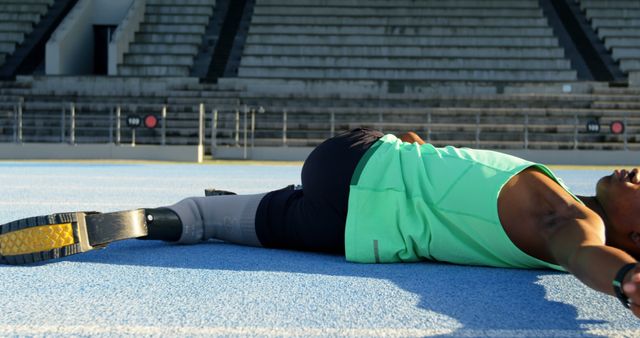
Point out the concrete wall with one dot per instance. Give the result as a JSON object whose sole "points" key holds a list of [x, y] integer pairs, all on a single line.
{"points": [[70, 48], [69, 51], [634, 79], [110, 12], [59, 151], [193, 153]]}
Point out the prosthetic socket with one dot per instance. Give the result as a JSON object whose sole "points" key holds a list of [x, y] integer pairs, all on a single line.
{"points": [[229, 218]]}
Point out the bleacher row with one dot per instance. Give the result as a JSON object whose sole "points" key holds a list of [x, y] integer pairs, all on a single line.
{"points": [[412, 41], [474, 73], [371, 40]]}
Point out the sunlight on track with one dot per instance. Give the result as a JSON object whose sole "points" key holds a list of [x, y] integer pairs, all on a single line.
{"points": [[296, 331]]}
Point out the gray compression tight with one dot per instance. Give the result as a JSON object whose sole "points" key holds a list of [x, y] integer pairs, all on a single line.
{"points": [[229, 218]]}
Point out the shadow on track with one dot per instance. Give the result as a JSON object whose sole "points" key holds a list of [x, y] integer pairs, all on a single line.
{"points": [[480, 299]]}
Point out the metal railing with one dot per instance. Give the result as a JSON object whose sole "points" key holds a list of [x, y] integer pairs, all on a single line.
{"points": [[250, 126]]}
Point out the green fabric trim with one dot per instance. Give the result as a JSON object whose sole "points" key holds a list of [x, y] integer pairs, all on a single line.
{"points": [[363, 162]]}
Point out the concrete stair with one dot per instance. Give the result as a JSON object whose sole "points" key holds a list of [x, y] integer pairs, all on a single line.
{"points": [[169, 38], [17, 19], [617, 23]]}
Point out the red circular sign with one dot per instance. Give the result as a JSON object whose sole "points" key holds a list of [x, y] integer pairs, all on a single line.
{"points": [[617, 127], [150, 121]]}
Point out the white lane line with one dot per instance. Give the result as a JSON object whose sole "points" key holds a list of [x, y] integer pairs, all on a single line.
{"points": [[299, 331]]}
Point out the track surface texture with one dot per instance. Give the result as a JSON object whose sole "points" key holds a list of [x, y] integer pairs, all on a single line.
{"points": [[149, 288]]}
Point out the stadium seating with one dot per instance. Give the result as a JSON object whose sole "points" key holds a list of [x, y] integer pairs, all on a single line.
{"points": [[485, 73], [398, 44], [169, 38], [17, 18], [618, 23]]}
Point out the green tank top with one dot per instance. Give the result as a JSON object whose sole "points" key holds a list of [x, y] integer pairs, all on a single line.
{"points": [[409, 203]]}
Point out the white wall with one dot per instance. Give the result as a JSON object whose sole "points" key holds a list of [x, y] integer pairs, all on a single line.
{"points": [[634, 79], [110, 12], [69, 51]]}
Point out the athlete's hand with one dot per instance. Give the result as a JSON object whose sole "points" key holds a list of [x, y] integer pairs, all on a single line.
{"points": [[411, 137], [631, 288]]}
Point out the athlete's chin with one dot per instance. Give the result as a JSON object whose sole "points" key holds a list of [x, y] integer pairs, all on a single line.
{"points": [[604, 183], [603, 187]]}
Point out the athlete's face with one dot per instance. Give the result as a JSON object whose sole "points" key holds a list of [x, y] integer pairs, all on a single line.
{"points": [[619, 196]]}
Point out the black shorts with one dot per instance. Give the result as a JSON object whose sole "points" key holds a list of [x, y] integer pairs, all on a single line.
{"points": [[313, 219]]}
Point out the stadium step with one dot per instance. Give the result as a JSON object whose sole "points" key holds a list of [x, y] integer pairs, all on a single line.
{"points": [[22, 2], [618, 32], [168, 38], [404, 63], [409, 3], [408, 51], [384, 40], [400, 30], [16, 37], [169, 28], [416, 21], [393, 74], [176, 19], [34, 8], [626, 52], [630, 65], [182, 9], [142, 48], [15, 26], [131, 70], [154, 59], [615, 22], [319, 10], [28, 17], [615, 13], [7, 47], [615, 42], [609, 4], [185, 2]]}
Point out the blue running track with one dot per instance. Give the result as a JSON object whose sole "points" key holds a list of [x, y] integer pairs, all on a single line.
{"points": [[148, 288]]}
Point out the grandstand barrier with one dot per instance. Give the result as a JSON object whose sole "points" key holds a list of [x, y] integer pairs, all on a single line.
{"points": [[287, 132], [61, 151], [64, 143]]}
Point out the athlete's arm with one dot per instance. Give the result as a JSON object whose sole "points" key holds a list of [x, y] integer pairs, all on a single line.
{"points": [[411, 137], [577, 242]]}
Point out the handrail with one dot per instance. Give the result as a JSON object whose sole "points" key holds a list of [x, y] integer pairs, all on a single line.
{"points": [[249, 126]]}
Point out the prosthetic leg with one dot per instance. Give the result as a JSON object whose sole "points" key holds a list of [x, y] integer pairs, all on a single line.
{"points": [[229, 218]]}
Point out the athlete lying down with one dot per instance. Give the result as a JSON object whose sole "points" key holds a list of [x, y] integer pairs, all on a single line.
{"points": [[378, 199]]}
